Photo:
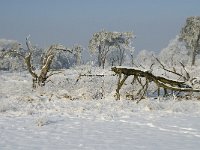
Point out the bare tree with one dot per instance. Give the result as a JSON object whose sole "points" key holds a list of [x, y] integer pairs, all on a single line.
{"points": [[190, 34], [103, 42], [39, 79]]}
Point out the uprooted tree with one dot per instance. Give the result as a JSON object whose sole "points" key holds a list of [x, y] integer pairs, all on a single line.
{"points": [[145, 77], [39, 79]]}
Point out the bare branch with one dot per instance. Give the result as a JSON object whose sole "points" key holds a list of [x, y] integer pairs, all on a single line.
{"points": [[53, 73], [187, 74], [12, 52], [29, 66], [163, 67], [28, 44]]}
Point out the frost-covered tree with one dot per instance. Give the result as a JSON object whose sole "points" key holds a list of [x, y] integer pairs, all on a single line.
{"points": [[190, 34], [104, 42], [145, 59], [11, 61], [175, 53], [62, 60], [39, 78], [77, 49], [66, 60]]}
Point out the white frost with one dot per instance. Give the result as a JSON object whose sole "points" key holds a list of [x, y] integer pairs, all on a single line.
{"points": [[85, 115]]}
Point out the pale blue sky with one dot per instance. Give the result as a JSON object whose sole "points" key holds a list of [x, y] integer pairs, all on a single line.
{"points": [[69, 22]]}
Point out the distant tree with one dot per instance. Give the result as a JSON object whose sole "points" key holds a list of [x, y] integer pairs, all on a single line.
{"points": [[62, 60], [11, 62], [39, 79], [175, 53], [66, 60], [103, 42], [190, 34], [77, 49], [145, 59]]}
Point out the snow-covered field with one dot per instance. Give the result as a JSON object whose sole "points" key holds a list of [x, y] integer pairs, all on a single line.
{"points": [[71, 115]]}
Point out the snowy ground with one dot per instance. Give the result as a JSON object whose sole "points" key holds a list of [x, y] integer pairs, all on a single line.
{"points": [[84, 115]]}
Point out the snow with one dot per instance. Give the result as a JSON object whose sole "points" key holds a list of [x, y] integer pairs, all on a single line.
{"points": [[71, 115], [151, 131]]}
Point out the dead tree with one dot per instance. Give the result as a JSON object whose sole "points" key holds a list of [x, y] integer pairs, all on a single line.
{"points": [[39, 79], [161, 82]]}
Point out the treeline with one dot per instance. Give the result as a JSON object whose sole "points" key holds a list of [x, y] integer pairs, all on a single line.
{"points": [[109, 49]]}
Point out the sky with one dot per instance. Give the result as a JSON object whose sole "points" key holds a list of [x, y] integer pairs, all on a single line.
{"points": [[69, 22]]}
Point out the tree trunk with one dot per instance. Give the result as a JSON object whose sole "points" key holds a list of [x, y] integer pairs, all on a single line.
{"points": [[194, 57], [99, 56], [121, 56], [103, 62]]}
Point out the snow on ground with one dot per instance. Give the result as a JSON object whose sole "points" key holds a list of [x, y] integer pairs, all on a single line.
{"points": [[84, 115]]}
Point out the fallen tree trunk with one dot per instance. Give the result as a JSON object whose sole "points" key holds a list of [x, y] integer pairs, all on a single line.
{"points": [[161, 82]]}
